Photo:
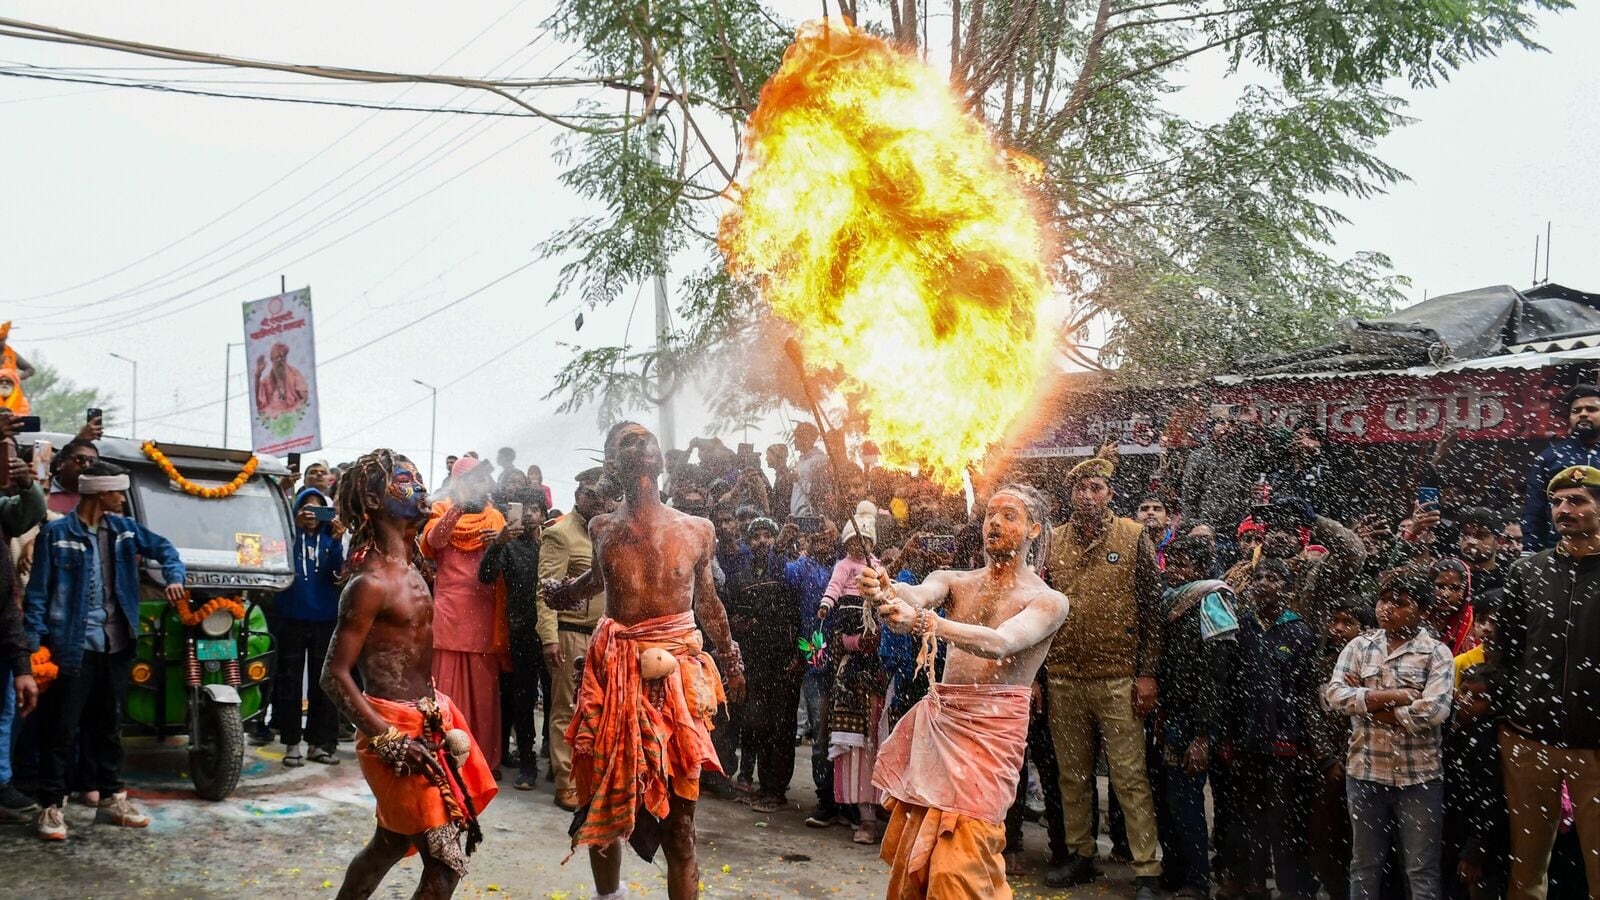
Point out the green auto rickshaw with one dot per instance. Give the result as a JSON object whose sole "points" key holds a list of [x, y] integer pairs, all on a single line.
{"points": [[205, 671]]}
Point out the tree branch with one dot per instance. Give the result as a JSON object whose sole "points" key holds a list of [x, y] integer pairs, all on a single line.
{"points": [[1091, 61], [727, 56]]}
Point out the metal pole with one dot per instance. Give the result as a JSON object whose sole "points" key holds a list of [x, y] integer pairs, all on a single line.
{"points": [[433, 432], [134, 428], [227, 369], [667, 432], [227, 396]]}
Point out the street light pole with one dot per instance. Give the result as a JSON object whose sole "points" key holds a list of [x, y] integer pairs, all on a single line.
{"points": [[433, 430], [134, 428], [227, 371]]}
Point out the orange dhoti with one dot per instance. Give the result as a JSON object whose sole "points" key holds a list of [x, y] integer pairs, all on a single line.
{"points": [[636, 744], [412, 805], [950, 771]]}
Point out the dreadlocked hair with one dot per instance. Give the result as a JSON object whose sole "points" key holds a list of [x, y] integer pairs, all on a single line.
{"points": [[371, 474]]}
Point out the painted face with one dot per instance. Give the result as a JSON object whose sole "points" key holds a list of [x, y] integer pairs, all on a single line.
{"points": [[406, 497]]}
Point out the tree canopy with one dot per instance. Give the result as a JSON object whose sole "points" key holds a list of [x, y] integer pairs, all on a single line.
{"points": [[1183, 243], [58, 402]]}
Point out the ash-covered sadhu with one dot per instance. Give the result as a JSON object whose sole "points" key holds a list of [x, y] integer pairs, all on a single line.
{"points": [[428, 775], [950, 768], [641, 733]]}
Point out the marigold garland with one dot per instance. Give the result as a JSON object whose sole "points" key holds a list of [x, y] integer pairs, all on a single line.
{"points": [[192, 618], [44, 671], [206, 493]]}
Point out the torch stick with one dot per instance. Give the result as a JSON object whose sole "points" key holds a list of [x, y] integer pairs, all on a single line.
{"points": [[797, 357]]}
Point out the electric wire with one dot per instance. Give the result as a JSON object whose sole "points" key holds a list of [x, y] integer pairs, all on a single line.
{"points": [[313, 158]]}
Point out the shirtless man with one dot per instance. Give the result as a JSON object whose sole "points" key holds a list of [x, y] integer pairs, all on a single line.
{"points": [[426, 803], [950, 768], [655, 565]]}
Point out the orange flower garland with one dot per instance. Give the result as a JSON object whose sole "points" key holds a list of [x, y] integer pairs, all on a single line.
{"points": [[195, 617], [44, 671], [217, 493]]}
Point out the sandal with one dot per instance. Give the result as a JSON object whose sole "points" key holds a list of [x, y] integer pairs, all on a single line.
{"points": [[322, 755], [865, 833], [292, 757], [767, 804]]}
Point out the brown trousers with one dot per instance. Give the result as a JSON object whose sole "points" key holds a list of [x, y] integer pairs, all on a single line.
{"points": [[1534, 772]]}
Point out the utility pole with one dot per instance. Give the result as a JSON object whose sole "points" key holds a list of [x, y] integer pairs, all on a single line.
{"points": [[668, 425], [133, 429], [227, 369], [433, 431]]}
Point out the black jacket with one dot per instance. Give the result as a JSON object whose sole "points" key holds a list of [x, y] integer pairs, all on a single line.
{"points": [[1194, 675], [1547, 642], [1274, 683], [518, 562], [763, 614]]}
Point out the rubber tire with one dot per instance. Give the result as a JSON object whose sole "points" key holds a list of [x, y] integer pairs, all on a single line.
{"points": [[215, 772]]}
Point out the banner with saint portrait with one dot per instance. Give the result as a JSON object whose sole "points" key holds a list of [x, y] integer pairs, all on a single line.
{"points": [[281, 374]]}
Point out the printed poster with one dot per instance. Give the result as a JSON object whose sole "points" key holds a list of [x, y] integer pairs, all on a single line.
{"points": [[281, 374]]}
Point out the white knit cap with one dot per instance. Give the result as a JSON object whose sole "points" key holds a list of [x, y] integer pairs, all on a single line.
{"points": [[867, 515]]}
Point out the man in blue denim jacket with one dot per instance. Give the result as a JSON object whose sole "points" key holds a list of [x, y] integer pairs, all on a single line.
{"points": [[83, 603]]}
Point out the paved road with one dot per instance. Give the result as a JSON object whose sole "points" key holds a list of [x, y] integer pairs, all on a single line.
{"points": [[288, 833]]}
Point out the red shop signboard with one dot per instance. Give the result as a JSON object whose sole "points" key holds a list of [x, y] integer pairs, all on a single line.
{"points": [[1505, 404]]}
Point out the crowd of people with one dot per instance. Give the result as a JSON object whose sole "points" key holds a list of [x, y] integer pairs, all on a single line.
{"points": [[1281, 685]]}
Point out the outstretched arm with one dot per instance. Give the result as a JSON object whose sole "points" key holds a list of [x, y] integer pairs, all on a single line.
{"points": [[1032, 626], [574, 594]]}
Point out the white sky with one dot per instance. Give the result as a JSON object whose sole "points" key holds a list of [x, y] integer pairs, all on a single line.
{"points": [[427, 209]]}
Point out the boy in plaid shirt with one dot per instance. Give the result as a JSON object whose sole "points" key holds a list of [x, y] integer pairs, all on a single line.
{"points": [[1396, 686]]}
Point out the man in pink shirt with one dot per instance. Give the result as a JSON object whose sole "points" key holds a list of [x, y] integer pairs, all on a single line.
{"points": [[470, 629]]}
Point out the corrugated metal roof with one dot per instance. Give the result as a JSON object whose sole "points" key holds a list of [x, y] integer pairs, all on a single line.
{"points": [[1587, 351]]}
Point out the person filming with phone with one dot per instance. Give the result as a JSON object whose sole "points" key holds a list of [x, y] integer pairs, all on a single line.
{"points": [[303, 627]]}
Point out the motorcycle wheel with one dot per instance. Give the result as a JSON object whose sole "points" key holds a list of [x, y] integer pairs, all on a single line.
{"points": [[216, 753]]}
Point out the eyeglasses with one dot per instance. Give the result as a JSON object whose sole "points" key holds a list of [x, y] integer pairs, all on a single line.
{"points": [[83, 459]]}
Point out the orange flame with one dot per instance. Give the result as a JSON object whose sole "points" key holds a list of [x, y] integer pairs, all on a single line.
{"points": [[883, 223]]}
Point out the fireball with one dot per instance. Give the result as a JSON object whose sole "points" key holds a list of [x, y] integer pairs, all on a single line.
{"points": [[882, 222]]}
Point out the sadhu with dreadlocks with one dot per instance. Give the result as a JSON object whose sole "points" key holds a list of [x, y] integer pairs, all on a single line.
{"points": [[429, 777]]}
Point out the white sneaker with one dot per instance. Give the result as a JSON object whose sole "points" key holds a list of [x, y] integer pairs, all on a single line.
{"points": [[52, 824], [118, 810]]}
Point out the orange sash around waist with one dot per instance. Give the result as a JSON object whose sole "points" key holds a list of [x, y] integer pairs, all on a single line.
{"points": [[633, 745], [960, 749], [409, 804]]}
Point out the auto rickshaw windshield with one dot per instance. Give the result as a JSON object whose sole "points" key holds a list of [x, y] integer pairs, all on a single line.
{"points": [[248, 530]]}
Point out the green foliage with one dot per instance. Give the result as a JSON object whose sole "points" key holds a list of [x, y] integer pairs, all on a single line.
{"points": [[1185, 244], [58, 402]]}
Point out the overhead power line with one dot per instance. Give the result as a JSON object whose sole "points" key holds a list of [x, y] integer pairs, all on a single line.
{"points": [[32, 31], [168, 88], [206, 226]]}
